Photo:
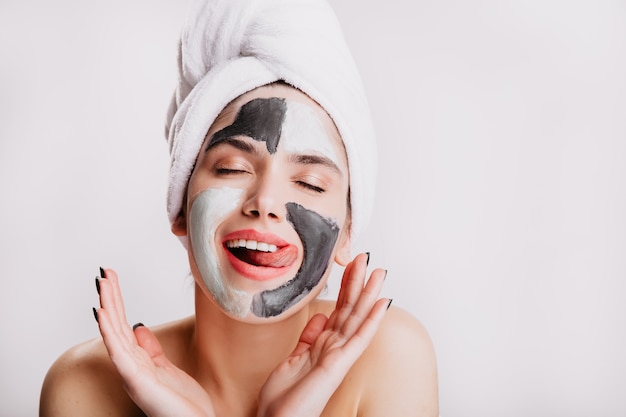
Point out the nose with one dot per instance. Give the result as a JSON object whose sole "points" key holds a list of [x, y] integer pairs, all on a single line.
{"points": [[264, 201]]}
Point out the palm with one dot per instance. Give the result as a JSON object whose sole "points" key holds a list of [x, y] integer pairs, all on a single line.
{"points": [[328, 347], [301, 385], [156, 385]]}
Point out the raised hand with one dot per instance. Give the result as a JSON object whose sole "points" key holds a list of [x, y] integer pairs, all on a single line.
{"points": [[302, 384], [157, 386]]}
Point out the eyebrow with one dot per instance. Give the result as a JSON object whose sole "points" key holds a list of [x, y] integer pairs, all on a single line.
{"points": [[235, 142], [314, 160]]}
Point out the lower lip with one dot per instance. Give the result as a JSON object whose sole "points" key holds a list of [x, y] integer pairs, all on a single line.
{"points": [[253, 272]]}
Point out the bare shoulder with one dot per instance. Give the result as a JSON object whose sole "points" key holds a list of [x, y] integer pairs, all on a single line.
{"points": [[84, 381], [400, 364]]}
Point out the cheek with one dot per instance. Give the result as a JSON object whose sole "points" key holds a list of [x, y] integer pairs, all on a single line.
{"points": [[208, 210], [318, 236]]}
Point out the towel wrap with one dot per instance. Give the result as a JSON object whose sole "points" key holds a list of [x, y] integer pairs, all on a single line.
{"points": [[229, 47]]}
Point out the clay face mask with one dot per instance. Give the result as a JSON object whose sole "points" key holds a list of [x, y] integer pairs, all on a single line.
{"points": [[260, 119], [297, 129], [270, 120], [303, 133], [318, 236], [209, 208]]}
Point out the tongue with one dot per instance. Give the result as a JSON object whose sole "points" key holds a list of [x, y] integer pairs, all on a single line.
{"points": [[282, 257]]}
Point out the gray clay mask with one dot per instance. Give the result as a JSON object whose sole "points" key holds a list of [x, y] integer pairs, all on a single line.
{"points": [[318, 236]]}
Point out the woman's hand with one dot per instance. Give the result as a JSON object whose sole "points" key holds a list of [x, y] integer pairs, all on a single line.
{"points": [[157, 386], [302, 384]]}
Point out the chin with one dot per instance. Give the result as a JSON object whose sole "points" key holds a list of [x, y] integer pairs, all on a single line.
{"points": [[239, 305]]}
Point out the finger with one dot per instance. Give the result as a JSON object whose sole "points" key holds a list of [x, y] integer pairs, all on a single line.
{"points": [[341, 296], [344, 284], [111, 300], [148, 341], [117, 345], [362, 337], [351, 287], [354, 282], [367, 299], [107, 303], [356, 269], [117, 300], [311, 331]]}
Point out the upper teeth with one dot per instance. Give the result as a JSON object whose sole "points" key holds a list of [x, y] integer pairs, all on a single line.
{"points": [[252, 245]]}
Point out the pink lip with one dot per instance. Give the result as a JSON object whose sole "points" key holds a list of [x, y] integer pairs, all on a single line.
{"points": [[251, 234], [254, 272]]}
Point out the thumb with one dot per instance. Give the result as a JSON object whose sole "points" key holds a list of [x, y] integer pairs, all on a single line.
{"points": [[149, 342], [312, 330]]}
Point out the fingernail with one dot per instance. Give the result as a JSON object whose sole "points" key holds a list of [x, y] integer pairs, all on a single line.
{"points": [[95, 314], [385, 275], [102, 272], [389, 305], [368, 258], [137, 325], [98, 285]]}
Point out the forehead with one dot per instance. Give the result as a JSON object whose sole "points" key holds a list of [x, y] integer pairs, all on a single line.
{"points": [[290, 94], [266, 112]]}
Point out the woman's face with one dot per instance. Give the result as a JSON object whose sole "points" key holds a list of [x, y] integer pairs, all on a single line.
{"points": [[267, 204]]}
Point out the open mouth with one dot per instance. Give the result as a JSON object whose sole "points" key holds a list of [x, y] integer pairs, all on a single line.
{"points": [[262, 254]]}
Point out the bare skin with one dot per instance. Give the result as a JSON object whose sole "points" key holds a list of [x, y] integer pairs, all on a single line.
{"points": [[354, 357], [396, 375]]}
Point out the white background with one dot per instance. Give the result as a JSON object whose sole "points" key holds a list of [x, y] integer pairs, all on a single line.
{"points": [[501, 205]]}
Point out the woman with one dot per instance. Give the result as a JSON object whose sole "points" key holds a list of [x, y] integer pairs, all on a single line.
{"points": [[271, 179]]}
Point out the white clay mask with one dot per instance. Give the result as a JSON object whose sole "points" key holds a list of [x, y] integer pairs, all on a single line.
{"points": [[208, 210], [303, 132]]}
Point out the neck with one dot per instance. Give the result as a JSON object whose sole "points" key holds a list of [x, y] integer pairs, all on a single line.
{"points": [[235, 358]]}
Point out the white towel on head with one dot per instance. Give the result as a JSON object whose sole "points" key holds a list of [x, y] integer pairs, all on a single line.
{"points": [[229, 47]]}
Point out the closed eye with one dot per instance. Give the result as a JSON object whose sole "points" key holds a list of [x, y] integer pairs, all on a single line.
{"points": [[310, 187], [310, 182], [231, 167], [229, 171]]}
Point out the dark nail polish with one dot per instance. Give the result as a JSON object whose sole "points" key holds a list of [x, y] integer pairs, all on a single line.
{"points": [[385, 275], [102, 272], [95, 314], [368, 258], [137, 325], [98, 285], [389, 305]]}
